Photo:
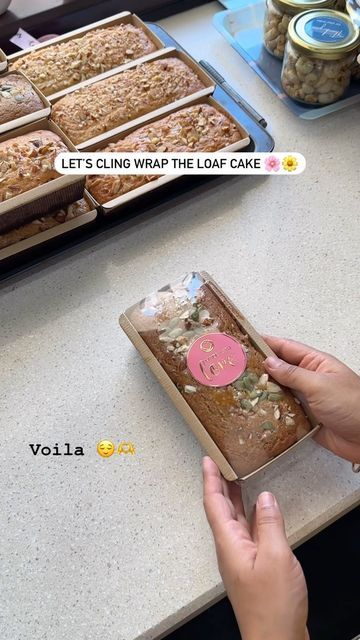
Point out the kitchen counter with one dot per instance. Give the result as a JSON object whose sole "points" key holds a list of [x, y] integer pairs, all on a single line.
{"points": [[119, 548]]}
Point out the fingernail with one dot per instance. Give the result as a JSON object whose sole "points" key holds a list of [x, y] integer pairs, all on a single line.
{"points": [[273, 363], [266, 499]]}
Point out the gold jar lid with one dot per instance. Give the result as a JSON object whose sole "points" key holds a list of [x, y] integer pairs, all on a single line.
{"points": [[324, 34], [297, 6]]}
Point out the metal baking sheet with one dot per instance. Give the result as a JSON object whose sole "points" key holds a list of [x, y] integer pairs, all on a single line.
{"points": [[148, 205]]}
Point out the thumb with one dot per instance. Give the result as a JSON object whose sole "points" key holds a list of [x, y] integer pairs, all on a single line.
{"points": [[291, 376], [270, 524]]}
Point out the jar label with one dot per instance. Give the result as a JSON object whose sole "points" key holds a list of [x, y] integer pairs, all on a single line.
{"points": [[327, 29], [216, 359]]}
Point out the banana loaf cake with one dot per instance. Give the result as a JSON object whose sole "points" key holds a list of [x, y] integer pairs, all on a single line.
{"points": [[35, 227], [249, 416], [27, 161], [109, 103], [200, 127], [17, 98], [58, 66]]}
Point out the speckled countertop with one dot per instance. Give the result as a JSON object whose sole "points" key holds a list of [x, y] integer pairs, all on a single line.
{"points": [[119, 548]]}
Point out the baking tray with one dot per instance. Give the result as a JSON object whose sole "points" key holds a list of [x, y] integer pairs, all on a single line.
{"points": [[149, 205], [169, 52], [114, 205], [3, 61], [30, 117], [125, 17], [46, 197], [243, 29]]}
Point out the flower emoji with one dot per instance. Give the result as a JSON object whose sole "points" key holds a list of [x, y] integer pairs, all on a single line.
{"points": [[272, 163], [290, 163]]}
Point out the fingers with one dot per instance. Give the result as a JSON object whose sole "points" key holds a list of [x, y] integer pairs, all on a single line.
{"points": [[217, 507], [289, 375], [222, 504], [289, 350], [269, 524]]}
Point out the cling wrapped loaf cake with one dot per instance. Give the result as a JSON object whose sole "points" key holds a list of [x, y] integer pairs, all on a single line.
{"points": [[61, 65], [204, 347], [109, 103]]}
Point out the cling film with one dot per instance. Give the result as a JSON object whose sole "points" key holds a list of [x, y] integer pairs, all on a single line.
{"points": [[213, 361]]}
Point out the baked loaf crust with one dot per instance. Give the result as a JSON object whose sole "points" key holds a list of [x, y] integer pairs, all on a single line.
{"points": [[31, 229], [61, 65], [109, 103], [251, 420], [17, 98], [28, 161], [200, 127]]}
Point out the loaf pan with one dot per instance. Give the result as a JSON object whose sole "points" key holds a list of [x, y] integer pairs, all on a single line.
{"points": [[131, 322], [3, 61], [45, 236], [109, 207], [30, 117], [47, 197], [170, 52], [125, 17]]}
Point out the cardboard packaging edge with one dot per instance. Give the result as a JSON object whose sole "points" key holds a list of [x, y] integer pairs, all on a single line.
{"points": [[179, 401], [124, 17], [3, 61], [44, 236]]}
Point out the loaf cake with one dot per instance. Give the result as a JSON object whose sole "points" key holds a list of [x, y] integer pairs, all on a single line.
{"points": [[62, 65], [28, 161], [251, 420], [35, 227], [199, 127], [109, 103], [17, 98]]}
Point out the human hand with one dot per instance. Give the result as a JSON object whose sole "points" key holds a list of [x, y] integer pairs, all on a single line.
{"points": [[330, 388], [262, 577]]}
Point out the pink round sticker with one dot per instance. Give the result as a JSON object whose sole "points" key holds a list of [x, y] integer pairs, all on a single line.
{"points": [[216, 359]]}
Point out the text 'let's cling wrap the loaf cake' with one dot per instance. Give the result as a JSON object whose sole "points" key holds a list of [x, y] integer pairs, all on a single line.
{"points": [[210, 361]]}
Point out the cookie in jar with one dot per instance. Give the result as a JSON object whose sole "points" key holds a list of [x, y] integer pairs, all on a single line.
{"points": [[277, 17], [320, 50]]}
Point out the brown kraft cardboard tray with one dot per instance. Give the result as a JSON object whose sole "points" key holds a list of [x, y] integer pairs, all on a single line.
{"points": [[45, 198], [178, 399], [169, 52], [108, 207], [125, 17], [60, 230], [3, 61]]}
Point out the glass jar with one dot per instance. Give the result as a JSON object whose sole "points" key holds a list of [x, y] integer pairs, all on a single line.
{"points": [[320, 50], [277, 17]]}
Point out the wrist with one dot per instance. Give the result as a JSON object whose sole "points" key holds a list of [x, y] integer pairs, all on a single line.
{"points": [[301, 635]]}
